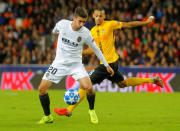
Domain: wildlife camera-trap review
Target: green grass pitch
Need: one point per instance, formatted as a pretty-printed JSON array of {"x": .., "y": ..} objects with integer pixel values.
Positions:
[{"x": 20, "y": 110}]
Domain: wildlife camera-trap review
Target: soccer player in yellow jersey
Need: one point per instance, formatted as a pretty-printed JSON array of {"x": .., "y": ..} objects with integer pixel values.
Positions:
[{"x": 102, "y": 33}]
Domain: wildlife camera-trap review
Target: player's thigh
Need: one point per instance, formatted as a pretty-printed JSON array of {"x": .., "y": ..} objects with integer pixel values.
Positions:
[
  {"x": 45, "y": 84},
  {"x": 85, "y": 83},
  {"x": 98, "y": 75},
  {"x": 117, "y": 77},
  {"x": 78, "y": 71}
]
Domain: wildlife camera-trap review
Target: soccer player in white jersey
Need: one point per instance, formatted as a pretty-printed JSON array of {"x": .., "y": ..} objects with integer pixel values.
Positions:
[{"x": 68, "y": 61}]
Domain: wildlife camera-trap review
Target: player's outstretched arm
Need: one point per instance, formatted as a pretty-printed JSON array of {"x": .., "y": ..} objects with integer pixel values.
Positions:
[
  {"x": 87, "y": 51},
  {"x": 55, "y": 33},
  {"x": 137, "y": 23},
  {"x": 101, "y": 57},
  {"x": 90, "y": 51}
]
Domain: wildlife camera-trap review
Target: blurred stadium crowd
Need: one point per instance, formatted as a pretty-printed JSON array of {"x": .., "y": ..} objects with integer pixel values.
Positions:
[{"x": 26, "y": 25}]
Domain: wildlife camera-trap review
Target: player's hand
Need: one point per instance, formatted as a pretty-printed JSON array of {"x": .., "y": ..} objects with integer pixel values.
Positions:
[
  {"x": 150, "y": 19},
  {"x": 53, "y": 57},
  {"x": 110, "y": 70}
]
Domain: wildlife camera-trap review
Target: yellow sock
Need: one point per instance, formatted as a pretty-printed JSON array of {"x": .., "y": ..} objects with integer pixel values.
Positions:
[
  {"x": 133, "y": 81},
  {"x": 82, "y": 94}
]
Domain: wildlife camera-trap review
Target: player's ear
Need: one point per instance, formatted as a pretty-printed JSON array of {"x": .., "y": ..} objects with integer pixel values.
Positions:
[
  {"x": 104, "y": 15},
  {"x": 74, "y": 18},
  {"x": 94, "y": 15}
]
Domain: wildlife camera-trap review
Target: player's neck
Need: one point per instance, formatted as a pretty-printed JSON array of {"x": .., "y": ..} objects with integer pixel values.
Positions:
[
  {"x": 99, "y": 24},
  {"x": 74, "y": 26}
]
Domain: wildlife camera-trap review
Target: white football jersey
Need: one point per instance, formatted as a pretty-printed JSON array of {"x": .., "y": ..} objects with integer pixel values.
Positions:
[{"x": 70, "y": 43}]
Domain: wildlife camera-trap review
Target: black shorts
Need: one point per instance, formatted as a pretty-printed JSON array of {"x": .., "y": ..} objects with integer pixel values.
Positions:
[{"x": 100, "y": 73}]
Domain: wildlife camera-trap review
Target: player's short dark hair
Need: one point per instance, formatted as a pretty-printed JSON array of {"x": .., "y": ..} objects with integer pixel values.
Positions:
[
  {"x": 81, "y": 12},
  {"x": 100, "y": 9}
]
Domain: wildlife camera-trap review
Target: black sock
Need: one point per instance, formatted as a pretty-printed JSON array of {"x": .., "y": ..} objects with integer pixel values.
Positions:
[
  {"x": 45, "y": 102},
  {"x": 91, "y": 100}
]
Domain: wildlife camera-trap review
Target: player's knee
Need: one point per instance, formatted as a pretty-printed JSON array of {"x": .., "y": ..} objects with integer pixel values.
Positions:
[
  {"x": 90, "y": 90},
  {"x": 122, "y": 84},
  {"x": 42, "y": 90}
]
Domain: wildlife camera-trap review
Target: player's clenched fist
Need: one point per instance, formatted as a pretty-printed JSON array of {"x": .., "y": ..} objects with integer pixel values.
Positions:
[{"x": 110, "y": 70}]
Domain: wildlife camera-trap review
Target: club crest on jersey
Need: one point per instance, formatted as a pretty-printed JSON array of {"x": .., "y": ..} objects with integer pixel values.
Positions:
[
  {"x": 103, "y": 31},
  {"x": 47, "y": 74},
  {"x": 79, "y": 39}
]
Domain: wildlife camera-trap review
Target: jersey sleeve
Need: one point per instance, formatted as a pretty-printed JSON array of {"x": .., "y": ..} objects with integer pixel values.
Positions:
[
  {"x": 57, "y": 27},
  {"x": 115, "y": 24},
  {"x": 90, "y": 42}
]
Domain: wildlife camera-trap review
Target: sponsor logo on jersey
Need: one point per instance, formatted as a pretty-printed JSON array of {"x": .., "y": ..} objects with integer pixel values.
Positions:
[{"x": 68, "y": 42}]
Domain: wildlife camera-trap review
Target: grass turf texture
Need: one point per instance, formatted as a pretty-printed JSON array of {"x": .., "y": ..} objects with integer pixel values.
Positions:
[{"x": 21, "y": 110}]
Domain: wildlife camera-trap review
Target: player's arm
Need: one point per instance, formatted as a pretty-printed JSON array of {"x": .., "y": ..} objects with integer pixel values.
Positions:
[
  {"x": 99, "y": 54},
  {"x": 88, "y": 51},
  {"x": 57, "y": 28},
  {"x": 54, "y": 36},
  {"x": 137, "y": 23},
  {"x": 55, "y": 31}
]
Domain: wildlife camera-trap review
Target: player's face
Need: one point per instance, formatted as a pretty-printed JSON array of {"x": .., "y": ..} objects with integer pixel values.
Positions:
[
  {"x": 99, "y": 17},
  {"x": 79, "y": 22}
]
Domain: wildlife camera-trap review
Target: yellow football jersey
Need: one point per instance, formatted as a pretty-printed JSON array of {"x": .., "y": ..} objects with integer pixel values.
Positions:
[{"x": 105, "y": 40}]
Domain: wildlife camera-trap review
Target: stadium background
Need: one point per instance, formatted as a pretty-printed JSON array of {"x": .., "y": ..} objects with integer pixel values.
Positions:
[
  {"x": 27, "y": 48},
  {"x": 26, "y": 25}
]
